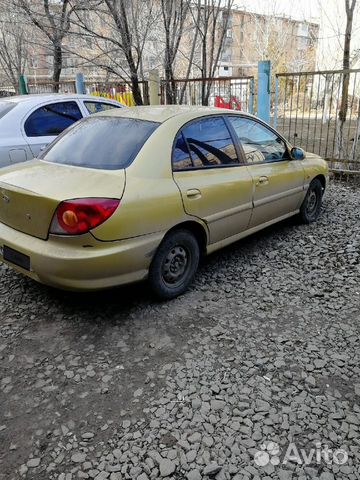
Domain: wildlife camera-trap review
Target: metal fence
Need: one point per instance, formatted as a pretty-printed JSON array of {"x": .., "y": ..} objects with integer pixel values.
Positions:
[
  {"x": 306, "y": 109},
  {"x": 66, "y": 86},
  {"x": 235, "y": 93},
  {"x": 120, "y": 91},
  {"x": 6, "y": 92}
]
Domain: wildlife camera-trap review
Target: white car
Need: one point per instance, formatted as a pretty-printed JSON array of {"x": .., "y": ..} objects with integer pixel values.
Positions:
[{"x": 30, "y": 122}]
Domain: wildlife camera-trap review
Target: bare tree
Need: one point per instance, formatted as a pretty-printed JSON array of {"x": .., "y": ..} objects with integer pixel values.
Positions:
[
  {"x": 120, "y": 29},
  {"x": 52, "y": 19},
  {"x": 349, "y": 8},
  {"x": 211, "y": 20},
  {"x": 14, "y": 37},
  {"x": 174, "y": 15}
]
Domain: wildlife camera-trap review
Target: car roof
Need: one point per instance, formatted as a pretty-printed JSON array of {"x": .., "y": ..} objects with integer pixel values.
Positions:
[
  {"x": 162, "y": 113},
  {"x": 50, "y": 97}
]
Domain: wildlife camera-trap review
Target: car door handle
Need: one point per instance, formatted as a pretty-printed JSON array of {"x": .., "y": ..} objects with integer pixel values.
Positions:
[
  {"x": 262, "y": 181},
  {"x": 193, "y": 193}
]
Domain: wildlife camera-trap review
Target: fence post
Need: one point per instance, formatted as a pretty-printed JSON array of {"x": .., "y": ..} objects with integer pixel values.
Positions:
[
  {"x": 264, "y": 84},
  {"x": 276, "y": 101},
  {"x": 154, "y": 82},
  {"x": 251, "y": 96},
  {"x": 80, "y": 83},
  {"x": 23, "y": 86}
]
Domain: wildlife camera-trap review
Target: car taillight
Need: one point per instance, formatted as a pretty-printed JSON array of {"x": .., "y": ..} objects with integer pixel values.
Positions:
[{"x": 75, "y": 217}]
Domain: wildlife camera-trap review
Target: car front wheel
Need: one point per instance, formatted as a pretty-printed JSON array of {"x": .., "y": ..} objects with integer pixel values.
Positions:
[
  {"x": 311, "y": 206},
  {"x": 174, "y": 265}
]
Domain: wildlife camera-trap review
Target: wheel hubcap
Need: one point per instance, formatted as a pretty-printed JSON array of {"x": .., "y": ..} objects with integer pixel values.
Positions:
[
  {"x": 312, "y": 202},
  {"x": 175, "y": 265}
]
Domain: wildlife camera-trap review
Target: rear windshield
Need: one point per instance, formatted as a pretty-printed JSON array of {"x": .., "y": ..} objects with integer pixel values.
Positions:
[
  {"x": 100, "y": 142},
  {"x": 5, "y": 107}
]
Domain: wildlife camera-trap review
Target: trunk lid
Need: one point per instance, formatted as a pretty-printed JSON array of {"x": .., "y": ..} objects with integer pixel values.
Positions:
[{"x": 30, "y": 193}]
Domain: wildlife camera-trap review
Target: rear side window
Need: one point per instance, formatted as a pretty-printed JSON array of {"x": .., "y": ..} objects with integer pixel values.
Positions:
[
  {"x": 101, "y": 142},
  {"x": 95, "y": 107},
  {"x": 52, "y": 119},
  {"x": 181, "y": 154},
  {"x": 204, "y": 143},
  {"x": 5, "y": 108}
]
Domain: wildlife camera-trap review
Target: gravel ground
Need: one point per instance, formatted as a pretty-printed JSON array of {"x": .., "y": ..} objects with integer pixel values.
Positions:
[{"x": 259, "y": 357}]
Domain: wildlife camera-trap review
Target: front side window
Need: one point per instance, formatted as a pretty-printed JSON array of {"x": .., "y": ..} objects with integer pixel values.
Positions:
[
  {"x": 107, "y": 143},
  {"x": 259, "y": 143},
  {"x": 52, "y": 119},
  {"x": 95, "y": 107},
  {"x": 204, "y": 143}
]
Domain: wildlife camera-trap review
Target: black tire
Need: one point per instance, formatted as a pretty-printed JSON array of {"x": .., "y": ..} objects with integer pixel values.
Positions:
[
  {"x": 311, "y": 206},
  {"x": 174, "y": 264}
]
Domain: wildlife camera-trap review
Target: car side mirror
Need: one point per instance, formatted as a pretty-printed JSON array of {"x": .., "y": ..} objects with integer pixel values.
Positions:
[{"x": 297, "y": 153}]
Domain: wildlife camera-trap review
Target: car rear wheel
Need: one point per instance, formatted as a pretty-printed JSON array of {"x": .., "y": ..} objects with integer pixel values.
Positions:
[
  {"x": 174, "y": 265},
  {"x": 311, "y": 206}
]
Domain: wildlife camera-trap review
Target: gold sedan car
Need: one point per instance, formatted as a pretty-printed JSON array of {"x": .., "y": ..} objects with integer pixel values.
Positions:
[{"x": 141, "y": 193}]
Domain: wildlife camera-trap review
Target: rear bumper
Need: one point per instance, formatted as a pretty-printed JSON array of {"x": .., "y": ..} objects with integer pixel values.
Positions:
[{"x": 82, "y": 263}]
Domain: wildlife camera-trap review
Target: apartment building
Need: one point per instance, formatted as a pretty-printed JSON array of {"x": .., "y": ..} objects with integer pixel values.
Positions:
[{"x": 290, "y": 44}]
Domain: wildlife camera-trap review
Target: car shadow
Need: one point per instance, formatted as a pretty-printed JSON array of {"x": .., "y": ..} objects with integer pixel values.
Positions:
[{"x": 124, "y": 299}]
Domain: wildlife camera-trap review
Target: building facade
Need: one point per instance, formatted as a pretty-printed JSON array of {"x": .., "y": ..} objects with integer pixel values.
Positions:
[{"x": 290, "y": 44}]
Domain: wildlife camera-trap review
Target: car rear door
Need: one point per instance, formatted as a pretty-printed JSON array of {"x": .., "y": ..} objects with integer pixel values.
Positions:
[
  {"x": 44, "y": 123},
  {"x": 13, "y": 147},
  {"x": 278, "y": 180},
  {"x": 214, "y": 185}
]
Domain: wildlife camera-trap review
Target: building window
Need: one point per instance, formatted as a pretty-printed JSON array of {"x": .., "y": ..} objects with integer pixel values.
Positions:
[{"x": 303, "y": 30}]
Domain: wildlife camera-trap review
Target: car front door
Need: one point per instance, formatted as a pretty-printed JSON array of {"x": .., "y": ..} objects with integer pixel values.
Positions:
[
  {"x": 278, "y": 180},
  {"x": 214, "y": 185},
  {"x": 45, "y": 123}
]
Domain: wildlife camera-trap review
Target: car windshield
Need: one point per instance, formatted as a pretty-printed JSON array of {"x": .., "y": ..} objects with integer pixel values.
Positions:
[
  {"x": 106, "y": 143},
  {"x": 5, "y": 107}
]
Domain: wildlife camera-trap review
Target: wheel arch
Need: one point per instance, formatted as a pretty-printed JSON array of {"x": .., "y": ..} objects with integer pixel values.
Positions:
[
  {"x": 197, "y": 229},
  {"x": 322, "y": 180}
]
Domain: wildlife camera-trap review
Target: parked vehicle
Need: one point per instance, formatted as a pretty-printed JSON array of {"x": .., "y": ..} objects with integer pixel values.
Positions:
[
  {"x": 30, "y": 122},
  {"x": 141, "y": 193}
]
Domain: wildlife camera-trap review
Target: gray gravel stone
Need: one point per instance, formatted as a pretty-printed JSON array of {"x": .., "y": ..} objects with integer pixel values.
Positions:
[
  {"x": 211, "y": 469},
  {"x": 78, "y": 457},
  {"x": 33, "y": 463},
  {"x": 102, "y": 476},
  {"x": 195, "y": 438},
  {"x": 327, "y": 476},
  {"x": 143, "y": 476},
  {"x": 209, "y": 377},
  {"x": 167, "y": 467},
  {"x": 194, "y": 475},
  {"x": 217, "y": 405}
]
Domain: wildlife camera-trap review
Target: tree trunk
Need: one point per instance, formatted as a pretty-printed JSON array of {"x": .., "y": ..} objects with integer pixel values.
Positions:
[
  {"x": 204, "y": 74},
  {"x": 356, "y": 137},
  {"x": 169, "y": 78},
  {"x": 136, "y": 90},
  {"x": 192, "y": 53},
  {"x": 346, "y": 80},
  {"x": 174, "y": 14},
  {"x": 58, "y": 63}
]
